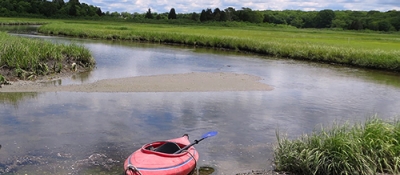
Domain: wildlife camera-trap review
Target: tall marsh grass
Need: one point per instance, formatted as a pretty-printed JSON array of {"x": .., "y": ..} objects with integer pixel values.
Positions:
[
  {"x": 364, "y": 149},
  {"x": 357, "y": 49},
  {"x": 31, "y": 57},
  {"x": 23, "y": 21}
]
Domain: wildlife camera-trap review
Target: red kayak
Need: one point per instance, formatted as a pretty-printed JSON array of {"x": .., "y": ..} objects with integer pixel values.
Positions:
[{"x": 176, "y": 156}]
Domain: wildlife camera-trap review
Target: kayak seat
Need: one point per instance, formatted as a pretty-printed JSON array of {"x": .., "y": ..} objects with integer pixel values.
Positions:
[{"x": 168, "y": 148}]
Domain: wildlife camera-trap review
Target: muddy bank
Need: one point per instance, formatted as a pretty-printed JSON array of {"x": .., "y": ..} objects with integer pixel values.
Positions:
[{"x": 189, "y": 82}]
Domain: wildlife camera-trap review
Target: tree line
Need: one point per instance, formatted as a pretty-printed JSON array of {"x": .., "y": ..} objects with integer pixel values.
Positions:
[
  {"x": 44, "y": 8},
  {"x": 339, "y": 19}
]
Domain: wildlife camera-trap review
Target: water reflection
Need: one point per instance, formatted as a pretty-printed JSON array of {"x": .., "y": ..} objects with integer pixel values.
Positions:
[
  {"x": 15, "y": 98},
  {"x": 67, "y": 128},
  {"x": 27, "y": 29}
]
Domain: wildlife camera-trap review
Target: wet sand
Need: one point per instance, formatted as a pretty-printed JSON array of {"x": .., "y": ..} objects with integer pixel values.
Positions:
[{"x": 189, "y": 82}]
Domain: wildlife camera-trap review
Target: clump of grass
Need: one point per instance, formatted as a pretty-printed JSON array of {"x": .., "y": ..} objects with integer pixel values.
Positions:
[
  {"x": 3, "y": 80},
  {"x": 371, "y": 148},
  {"x": 33, "y": 57}
]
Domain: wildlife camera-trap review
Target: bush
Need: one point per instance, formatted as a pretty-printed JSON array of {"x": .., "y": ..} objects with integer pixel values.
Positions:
[{"x": 361, "y": 149}]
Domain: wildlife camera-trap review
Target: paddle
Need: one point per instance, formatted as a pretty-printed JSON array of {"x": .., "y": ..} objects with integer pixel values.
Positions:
[{"x": 206, "y": 135}]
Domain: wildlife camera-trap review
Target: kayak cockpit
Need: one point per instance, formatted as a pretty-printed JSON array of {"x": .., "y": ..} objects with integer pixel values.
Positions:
[
  {"x": 168, "y": 148},
  {"x": 163, "y": 148}
]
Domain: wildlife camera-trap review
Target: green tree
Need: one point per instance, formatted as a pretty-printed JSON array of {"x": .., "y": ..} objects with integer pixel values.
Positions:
[
  {"x": 217, "y": 14},
  {"x": 203, "y": 16},
  {"x": 223, "y": 16},
  {"x": 48, "y": 8},
  {"x": 297, "y": 22},
  {"x": 309, "y": 19},
  {"x": 394, "y": 19},
  {"x": 231, "y": 14},
  {"x": 72, "y": 10},
  {"x": 23, "y": 7},
  {"x": 324, "y": 18},
  {"x": 126, "y": 15},
  {"x": 115, "y": 14},
  {"x": 374, "y": 25},
  {"x": 172, "y": 14},
  {"x": 384, "y": 25},
  {"x": 59, "y": 3},
  {"x": 356, "y": 25},
  {"x": 99, "y": 12},
  {"x": 73, "y": 7},
  {"x": 246, "y": 14},
  {"x": 149, "y": 15},
  {"x": 7, "y": 5},
  {"x": 4, "y": 11},
  {"x": 209, "y": 15},
  {"x": 358, "y": 20},
  {"x": 338, "y": 23},
  {"x": 341, "y": 20},
  {"x": 195, "y": 16},
  {"x": 137, "y": 15}
]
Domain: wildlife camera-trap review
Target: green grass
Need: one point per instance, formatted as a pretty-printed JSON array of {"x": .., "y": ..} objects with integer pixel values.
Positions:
[
  {"x": 32, "y": 57},
  {"x": 369, "y": 148},
  {"x": 361, "y": 49},
  {"x": 371, "y": 50},
  {"x": 2, "y": 80},
  {"x": 23, "y": 21}
]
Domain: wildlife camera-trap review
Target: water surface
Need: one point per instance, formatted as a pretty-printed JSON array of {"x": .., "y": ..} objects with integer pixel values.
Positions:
[{"x": 57, "y": 132}]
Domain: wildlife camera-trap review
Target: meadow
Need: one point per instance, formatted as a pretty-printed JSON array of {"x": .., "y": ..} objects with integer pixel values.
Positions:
[{"x": 361, "y": 49}]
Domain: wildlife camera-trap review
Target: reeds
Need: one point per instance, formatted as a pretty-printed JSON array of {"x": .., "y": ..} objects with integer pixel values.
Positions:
[
  {"x": 22, "y": 21},
  {"x": 32, "y": 57},
  {"x": 356, "y": 49},
  {"x": 361, "y": 149}
]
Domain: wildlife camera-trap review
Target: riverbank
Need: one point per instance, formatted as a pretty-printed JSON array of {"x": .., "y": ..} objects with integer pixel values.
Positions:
[
  {"x": 351, "y": 48},
  {"x": 367, "y": 50},
  {"x": 29, "y": 59}
]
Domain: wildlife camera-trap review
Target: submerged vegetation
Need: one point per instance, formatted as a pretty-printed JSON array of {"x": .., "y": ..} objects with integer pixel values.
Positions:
[
  {"x": 362, "y": 149},
  {"x": 371, "y": 50},
  {"x": 28, "y": 58}
]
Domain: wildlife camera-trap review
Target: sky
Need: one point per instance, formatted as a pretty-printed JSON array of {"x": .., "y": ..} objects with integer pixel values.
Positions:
[{"x": 189, "y": 6}]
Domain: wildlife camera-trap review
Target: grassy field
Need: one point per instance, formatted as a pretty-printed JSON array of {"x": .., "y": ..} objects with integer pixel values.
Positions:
[
  {"x": 371, "y": 50},
  {"x": 367, "y": 149}
]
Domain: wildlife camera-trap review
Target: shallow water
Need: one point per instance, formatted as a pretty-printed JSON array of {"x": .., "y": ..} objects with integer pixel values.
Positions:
[{"x": 62, "y": 132}]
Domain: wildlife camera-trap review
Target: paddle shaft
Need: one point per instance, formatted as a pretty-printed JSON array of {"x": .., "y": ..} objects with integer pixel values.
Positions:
[{"x": 186, "y": 147}]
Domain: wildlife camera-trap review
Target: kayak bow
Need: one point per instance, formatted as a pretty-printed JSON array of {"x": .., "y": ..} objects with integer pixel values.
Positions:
[{"x": 159, "y": 158}]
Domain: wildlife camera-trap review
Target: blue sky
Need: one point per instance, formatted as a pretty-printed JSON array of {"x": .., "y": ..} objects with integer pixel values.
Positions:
[{"x": 189, "y": 6}]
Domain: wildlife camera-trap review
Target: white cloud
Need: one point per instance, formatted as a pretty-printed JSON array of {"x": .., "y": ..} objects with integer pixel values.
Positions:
[{"x": 188, "y": 6}]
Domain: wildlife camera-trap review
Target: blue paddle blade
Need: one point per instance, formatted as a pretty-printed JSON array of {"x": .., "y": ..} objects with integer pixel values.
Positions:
[{"x": 209, "y": 134}]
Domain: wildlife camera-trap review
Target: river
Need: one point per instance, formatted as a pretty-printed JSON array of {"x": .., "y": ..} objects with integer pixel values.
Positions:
[{"x": 83, "y": 133}]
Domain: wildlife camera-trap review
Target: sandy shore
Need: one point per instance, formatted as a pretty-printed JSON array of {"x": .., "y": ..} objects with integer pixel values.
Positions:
[{"x": 189, "y": 82}]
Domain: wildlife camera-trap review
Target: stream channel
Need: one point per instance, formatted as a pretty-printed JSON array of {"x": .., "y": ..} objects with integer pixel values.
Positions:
[{"x": 93, "y": 133}]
